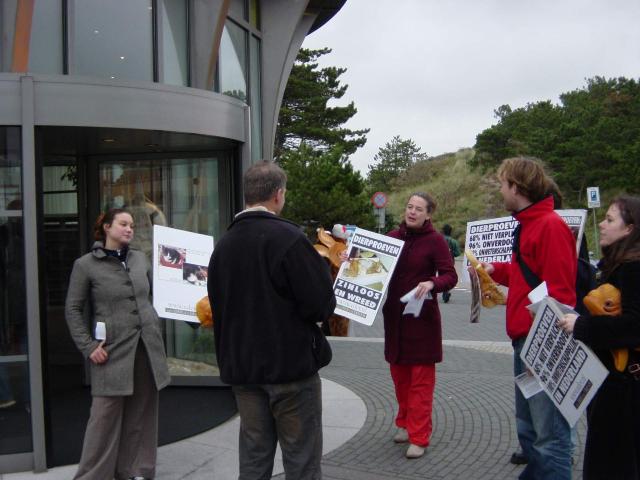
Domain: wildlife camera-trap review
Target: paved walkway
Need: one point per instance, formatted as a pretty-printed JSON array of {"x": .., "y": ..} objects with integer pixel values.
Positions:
[{"x": 474, "y": 425}]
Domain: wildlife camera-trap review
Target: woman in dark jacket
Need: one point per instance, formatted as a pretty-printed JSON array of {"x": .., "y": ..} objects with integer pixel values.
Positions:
[
  {"x": 413, "y": 345},
  {"x": 125, "y": 349},
  {"x": 613, "y": 418}
]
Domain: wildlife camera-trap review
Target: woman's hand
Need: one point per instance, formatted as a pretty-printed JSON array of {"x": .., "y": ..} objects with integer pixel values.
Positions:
[
  {"x": 344, "y": 256},
  {"x": 99, "y": 355},
  {"x": 424, "y": 288},
  {"x": 567, "y": 322}
]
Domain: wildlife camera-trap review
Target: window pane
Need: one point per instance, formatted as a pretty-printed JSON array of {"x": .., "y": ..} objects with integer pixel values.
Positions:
[
  {"x": 237, "y": 9},
  {"x": 254, "y": 13},
  {"x": 45, "y": 50},
  {"x": 183, "y": 194},
  {"x": 7, "y": 29},
  {"x": 15, "y": 419},
  {"x": 233, "y": 62},
  {"x": 174, "y": 42},
  {"x": 113, "y": 39},
  {"x": 256, "y": 101}
]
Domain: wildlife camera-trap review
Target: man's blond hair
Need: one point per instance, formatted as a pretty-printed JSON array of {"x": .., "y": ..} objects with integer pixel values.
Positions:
[{"x": 528, "y": 175}]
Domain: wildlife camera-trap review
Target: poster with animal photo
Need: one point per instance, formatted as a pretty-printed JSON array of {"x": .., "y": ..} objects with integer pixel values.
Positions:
[
  {"x": 362, "y": 280},
  {"x": 180, "y": 271}
]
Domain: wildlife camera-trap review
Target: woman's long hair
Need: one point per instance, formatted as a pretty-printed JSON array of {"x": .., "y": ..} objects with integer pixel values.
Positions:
[
  {"x": 103, "y": 219},
  {"x": 626, "y": 249}
]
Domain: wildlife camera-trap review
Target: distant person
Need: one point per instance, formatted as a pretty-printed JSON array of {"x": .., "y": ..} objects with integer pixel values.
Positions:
[
  {"x": 413, "y": 345},
  {"x": 612, "y": 448},
  {"x": 268, "y": 289},
  {"x": 129, "y": 366},
  {"x": 543, "y": 245},
  {"x": 454, "y": 248}
]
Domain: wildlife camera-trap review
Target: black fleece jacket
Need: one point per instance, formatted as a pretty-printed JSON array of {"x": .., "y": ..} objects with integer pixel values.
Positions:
[{"x": 268, "y": 287}]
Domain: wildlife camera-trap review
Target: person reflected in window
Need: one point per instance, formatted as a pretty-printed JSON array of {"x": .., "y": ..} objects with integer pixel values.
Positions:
[{"x": 128, "y": 365}]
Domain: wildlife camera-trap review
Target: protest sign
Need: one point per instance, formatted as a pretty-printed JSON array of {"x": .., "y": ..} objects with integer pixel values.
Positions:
[
  {"x": 491, "y": 240},
  {"x": 180, "y": 271},
  {"x": 363, "y": 280},
  {"x": 566, "y": 369}
]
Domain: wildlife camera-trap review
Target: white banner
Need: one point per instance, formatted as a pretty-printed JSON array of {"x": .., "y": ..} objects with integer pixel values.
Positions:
[
  {"x": 363, "y": 280},
  {"x": 180, "y": 264},
  {"x": 566, "y": 369}
]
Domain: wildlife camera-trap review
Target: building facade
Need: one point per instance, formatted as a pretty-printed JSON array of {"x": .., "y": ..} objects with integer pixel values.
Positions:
[{"x": 156, "y": 105}]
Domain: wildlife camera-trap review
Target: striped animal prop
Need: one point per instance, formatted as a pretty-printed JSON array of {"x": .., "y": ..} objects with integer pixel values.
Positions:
[
  {"x": 606, "y": 300},
  {"x": 331, "y": 247}
]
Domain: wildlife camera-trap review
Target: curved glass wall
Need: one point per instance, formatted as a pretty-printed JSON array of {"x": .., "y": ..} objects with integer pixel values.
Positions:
[
  {"x": 182, "y": 193},
  {"x": 45, "y": 49},
  {"x": 233, "y": 62},
  {"x": 255, "y": 100},
  {"x": 8, "y": 10},
  {"x": 15, "y": 418},
  {"x": 174, "y": 42},
  {"x": 112, "y": 39}
]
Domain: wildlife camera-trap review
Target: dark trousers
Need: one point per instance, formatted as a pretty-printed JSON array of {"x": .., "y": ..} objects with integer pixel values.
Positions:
[
  {"x": 289, "y": 413},
  {"x": 121, "y": 439}
]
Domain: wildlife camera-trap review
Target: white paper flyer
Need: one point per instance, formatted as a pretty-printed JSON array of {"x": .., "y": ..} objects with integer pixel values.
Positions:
[
  {"x": 180, "y": 264},
  {"x": 363, "y": 280}
]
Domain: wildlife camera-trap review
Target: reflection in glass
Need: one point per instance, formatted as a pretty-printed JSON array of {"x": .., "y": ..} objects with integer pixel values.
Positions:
[
  {"x": 183, "y": 194},
  {"x": 256, "y": 101},
  {"x": 233, "y": 61},
  {"x": 254, "y": 13},
  {"x": 15, "y": 420},
  {"x": 174, "y": 42},
  {"x": 7, "y": 29},
  {"x": 237, "y": 9},
  {"x": 45, "y": 49},
  {"x": 113, "y": 39}
]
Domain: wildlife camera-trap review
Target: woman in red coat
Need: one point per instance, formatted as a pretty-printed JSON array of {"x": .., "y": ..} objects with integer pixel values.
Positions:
[{"x": 413, "y": 345}]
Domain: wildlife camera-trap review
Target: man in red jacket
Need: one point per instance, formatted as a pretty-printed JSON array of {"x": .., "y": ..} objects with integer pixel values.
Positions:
[{"x": 547, "y": 247}]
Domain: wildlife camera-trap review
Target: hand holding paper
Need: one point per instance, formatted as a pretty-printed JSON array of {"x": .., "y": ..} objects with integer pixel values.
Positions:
[{"x": 414, "y": 305}]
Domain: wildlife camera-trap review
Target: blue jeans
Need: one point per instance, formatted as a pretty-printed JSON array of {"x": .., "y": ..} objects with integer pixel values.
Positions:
[
  {"x": 289, "y": 413},
  {"x": 544, "y": 434}
]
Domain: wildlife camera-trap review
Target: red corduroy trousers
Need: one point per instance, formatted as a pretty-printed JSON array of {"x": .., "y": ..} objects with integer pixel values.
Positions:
[{"x": 414, "y": 385}]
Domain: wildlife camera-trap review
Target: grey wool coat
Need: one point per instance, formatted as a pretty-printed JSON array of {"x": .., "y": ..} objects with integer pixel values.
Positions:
[{"x": 121, "y": 298}]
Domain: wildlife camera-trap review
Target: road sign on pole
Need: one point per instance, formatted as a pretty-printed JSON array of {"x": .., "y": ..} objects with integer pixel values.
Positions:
[
  {"x": 593, "y": 197},
  {"x": 379, "y": 199},
  {"x": 593, "y": 201}
]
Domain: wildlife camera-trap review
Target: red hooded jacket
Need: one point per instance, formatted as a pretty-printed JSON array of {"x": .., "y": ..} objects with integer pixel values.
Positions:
[
  {"x": 548, "y": 248},
  {"x": 410, "y": 340}
]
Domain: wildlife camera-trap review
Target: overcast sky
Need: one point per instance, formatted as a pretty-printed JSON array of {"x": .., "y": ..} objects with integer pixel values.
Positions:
[{"x": 435, "y": 70}]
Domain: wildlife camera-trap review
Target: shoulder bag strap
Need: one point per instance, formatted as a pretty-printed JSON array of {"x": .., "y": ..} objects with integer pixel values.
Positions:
[{"x": 531, "y": 278}]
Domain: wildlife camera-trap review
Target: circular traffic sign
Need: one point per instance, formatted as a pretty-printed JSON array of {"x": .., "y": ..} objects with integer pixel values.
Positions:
[{"x": 379, "y": 199}]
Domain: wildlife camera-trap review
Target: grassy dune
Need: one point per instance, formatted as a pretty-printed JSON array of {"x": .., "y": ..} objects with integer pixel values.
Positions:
[{"x": 462, "y": 194}]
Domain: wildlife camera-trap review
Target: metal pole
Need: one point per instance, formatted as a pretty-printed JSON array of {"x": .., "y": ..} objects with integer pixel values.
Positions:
[{"x": 596, "y": 247}]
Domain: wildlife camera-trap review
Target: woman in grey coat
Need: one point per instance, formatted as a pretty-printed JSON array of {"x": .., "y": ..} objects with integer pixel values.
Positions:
[{"x": 111, "y": 286}]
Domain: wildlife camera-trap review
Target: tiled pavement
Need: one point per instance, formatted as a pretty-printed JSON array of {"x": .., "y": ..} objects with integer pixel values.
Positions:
[{"x": 474, "y": 425}]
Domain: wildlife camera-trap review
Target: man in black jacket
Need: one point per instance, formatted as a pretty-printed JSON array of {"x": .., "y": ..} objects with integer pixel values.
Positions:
[{"x": 268, "y": 289}]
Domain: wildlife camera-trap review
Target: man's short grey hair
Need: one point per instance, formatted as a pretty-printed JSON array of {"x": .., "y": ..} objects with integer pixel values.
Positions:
[{"x": 261, "y": 182}]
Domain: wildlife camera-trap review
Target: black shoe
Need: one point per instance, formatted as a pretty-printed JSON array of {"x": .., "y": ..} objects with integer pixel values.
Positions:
[
  {"x": 518, "y": 458},
  {"x": 446, "y": 296}
]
